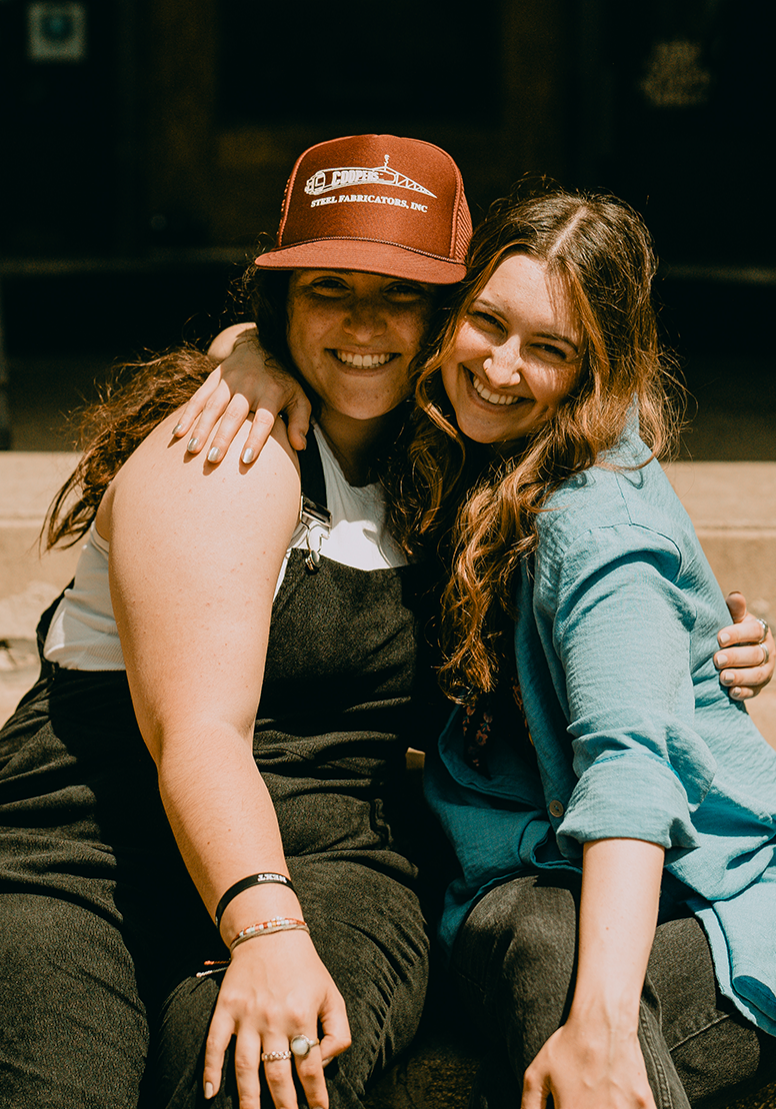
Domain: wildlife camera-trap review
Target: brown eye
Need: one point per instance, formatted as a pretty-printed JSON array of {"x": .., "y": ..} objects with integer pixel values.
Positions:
[
  {"x": 329, "y": 287},
  {"x": 484, "y": 319},
  {"x": 406, "y": 291}
]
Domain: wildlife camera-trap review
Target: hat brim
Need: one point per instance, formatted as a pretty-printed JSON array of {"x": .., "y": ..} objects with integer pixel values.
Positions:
[{"x": 364, "y": 256}]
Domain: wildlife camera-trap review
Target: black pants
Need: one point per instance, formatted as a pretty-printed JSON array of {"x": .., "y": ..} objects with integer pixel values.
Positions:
[
  {"x": 102, "y": 931},
  {"x": 514, "y": 962},
  {"x": 369, "y": 934}
]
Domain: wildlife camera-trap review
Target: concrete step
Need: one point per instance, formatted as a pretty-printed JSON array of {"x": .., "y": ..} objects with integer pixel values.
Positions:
[{"x": 732, "y": 504}]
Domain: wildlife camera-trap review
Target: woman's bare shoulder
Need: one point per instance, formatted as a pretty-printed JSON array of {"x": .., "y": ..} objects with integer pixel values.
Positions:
[{"x": 162, "y": 474}]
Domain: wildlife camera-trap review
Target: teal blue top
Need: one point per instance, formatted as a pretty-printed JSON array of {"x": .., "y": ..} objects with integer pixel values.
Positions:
[{"x": 634, "y": 737}]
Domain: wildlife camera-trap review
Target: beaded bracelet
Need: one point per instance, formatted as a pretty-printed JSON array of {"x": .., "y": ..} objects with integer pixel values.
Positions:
[
  {"x": 267, "y": 927},
  {"x": 247, "y": 883}
]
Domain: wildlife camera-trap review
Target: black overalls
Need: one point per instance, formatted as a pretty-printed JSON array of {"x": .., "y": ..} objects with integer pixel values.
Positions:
[{"x": 101, "y": 929}]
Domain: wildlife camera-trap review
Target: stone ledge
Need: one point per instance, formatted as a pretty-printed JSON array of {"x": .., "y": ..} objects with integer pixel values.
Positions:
[{"x": 732, "y": 504}]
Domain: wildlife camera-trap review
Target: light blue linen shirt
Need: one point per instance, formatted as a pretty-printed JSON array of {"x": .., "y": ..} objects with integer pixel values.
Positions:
[{"x": 634, "y": 737}]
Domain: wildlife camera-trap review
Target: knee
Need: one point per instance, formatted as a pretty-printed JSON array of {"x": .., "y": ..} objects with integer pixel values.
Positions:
[{"x": 516, "y": 957}]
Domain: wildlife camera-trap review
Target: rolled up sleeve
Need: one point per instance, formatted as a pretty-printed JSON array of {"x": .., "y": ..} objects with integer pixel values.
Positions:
[{"x": 620, "y": 630}]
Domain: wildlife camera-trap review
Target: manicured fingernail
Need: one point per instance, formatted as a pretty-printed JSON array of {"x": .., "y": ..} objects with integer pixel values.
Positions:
[
  {"x": 304, "y": 441},
  {"x": 736, "y": 693},
  {"x": 192, "y": 443},
  {"x": 721, "y": 660},
  {"x": 727, "y": 678},
  {"x": 213, "y": 454},
  {"x": 723, "y": 638},
  {"x": 177, "y": 429},
  {"x": 247, "y": 455},
  {"x": 208, "y": 1091},
  {"x": 325, "y": 1062}
]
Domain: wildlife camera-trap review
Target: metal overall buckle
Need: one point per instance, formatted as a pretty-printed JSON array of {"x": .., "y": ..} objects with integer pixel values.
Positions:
[{"x": 317, "y": 520}]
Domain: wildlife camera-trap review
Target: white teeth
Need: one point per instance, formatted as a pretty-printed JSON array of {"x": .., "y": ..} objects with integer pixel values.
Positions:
[
  {"x": 491, "y": 398},
  {"x": 363, "y": 361}
]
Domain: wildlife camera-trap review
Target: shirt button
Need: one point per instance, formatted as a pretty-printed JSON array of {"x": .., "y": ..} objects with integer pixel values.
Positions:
[{"x": 556, "y": 809}]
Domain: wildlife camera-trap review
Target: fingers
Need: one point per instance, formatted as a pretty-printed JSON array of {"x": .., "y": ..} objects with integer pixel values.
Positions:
[
  {"x": 746, "y": 662},
  {"x": 261, "y": 428},
  {"x": 280, "y": 393},
  {"x": 745, "y": 628},
  {"x": 335, "y": 1038},
  {"x": 299, "y": 411},
  {"x": 270, "y": 993},
  {"x": 310, "y": 1071},
  {"x": 745, "y": 682},
  {"x": 744, "y": 670},
  {"x": 535, "y": 1090},
  {"x": 736, "y": 603},
  {"x": 247, "y": 1060},
  {"x": 220, "y": 406},
  {"x": 195, "y": 404},
  {"x": 229, "y": 423},
  {"x": 278, "y": 1073},
  {"x": 335, "y": 1029},
  {"x": 218, "y": 1037},
  {"x": 274, "y": 1054}
]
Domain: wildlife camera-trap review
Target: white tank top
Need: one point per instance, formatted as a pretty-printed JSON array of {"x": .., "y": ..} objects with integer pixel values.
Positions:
[{"x": 83, "y": 633}]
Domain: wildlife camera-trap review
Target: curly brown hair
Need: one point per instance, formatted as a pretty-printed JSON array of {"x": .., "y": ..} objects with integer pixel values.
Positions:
[
  {"x": 142, "y": 394},
  {"x": 481, "y": 511}
]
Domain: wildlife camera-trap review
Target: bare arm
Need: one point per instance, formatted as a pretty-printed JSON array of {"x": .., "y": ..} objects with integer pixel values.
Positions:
[
  {"x": 594, "y": 1061},
  {"x": 245, "y": 381},
  {"x": 195, "y": 553}
]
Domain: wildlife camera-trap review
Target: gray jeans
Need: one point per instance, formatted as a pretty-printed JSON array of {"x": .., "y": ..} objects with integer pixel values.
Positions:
[{"x": 514, "y": 962}]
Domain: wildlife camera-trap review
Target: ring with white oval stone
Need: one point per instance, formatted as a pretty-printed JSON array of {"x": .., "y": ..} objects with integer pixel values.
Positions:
[
  {"x": 274, "y": 1056},
  {"x": 302, "y": 1046}
]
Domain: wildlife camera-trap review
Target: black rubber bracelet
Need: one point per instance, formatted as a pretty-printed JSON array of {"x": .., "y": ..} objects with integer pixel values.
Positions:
[{"x": 245, "y": 884}]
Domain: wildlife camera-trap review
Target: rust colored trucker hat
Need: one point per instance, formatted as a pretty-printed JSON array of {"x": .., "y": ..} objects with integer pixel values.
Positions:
[{"x": 374, "y": 204}]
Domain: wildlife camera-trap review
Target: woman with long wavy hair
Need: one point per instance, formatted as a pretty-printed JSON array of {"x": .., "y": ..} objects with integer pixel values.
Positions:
[
  {"x": 612, "y": 809},
  {"x": 613, "y": 922},
  {"x": 204, "y": 889}
]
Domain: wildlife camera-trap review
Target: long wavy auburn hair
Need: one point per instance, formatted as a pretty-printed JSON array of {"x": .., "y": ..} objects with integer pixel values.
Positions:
[{"x": 480, "y": 510}]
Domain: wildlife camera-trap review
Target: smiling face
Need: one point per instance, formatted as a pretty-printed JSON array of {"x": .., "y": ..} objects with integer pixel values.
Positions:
[
  {"x": 353, "y": 337},
  {"x": 517, "y": 353}
]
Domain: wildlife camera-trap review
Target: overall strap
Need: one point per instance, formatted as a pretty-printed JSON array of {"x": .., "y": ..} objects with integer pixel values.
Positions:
[
  {"x": 313, "y": 482},
  {"x": 314, "y": 513}
]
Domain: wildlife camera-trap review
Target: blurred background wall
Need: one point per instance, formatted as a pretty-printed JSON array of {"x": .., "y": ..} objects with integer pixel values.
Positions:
[{"x": 146, "y": 143}]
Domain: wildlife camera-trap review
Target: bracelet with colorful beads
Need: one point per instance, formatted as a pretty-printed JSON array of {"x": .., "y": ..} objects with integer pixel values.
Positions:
[{"x": 267, "y": 927}]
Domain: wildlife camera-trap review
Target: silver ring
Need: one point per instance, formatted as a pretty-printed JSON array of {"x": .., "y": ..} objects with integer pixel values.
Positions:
[
  {"x": 766, "y": 654},
  {"x": 302, "y": 1046},
  {"x": 274, "y": 1056},
  {"x": 765, "y": 625}
]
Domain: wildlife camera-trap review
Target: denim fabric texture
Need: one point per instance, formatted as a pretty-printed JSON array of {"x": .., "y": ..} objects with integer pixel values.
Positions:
[
  {"x": 513, "y": 963},
  {"x": 102, "y": 931}
]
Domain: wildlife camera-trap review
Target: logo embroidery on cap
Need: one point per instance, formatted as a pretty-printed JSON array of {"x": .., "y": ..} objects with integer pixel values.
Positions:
[{"x": 326, "y": 180}]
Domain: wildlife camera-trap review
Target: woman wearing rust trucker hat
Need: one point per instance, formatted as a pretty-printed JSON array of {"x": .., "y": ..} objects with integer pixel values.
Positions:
[
  {"x": 374, "y": 203},
  {"x": 214, "y": 752},
  {"x": 203, "y": 893}
]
